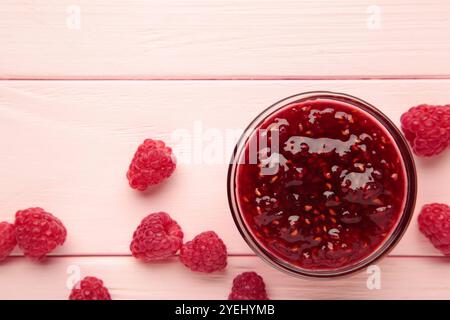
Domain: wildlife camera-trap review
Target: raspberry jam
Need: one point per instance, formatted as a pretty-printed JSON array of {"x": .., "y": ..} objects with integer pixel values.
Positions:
[{"x": 320, "y": 184}]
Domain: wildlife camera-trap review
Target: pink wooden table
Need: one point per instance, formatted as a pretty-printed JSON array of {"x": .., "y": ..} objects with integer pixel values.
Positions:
[{"x": 83, "y": 83}]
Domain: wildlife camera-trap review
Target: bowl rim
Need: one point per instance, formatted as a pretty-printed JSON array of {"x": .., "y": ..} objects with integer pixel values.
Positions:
[{"x": 395, "y": 234}]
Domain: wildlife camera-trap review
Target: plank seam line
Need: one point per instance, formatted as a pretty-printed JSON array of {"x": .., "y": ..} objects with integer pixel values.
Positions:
[
  {"x": 231, "y": 78},
  {"x": 233, "y": 255}
]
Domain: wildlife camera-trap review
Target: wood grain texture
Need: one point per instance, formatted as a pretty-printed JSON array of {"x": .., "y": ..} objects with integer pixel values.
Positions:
[
  {"x": 127, "y": 278},
  {"x": 223, "y": 39},
  {"x": 67, "y": 145}
]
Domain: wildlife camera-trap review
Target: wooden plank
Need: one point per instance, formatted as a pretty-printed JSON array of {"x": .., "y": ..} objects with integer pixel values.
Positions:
[
  {"x": 401, "y": 278},
  {"x": 223, "y": 38},
  {"x": 66, "y": 146}
]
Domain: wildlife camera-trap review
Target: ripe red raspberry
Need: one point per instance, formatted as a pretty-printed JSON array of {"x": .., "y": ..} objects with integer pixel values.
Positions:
[
  {"x": 248, "y": 286},
  {"x": 90, "y": 288},
  {"x": 157, "y": 237},
  {"x": 152, "y": 163},
  {"x": 7, "y": 239},
  {"x": 434, "y": 223},
  {"x": 205, "y": 253},
  {"x": 427, "y": 128},
  {"x": 38, "y": 232}
]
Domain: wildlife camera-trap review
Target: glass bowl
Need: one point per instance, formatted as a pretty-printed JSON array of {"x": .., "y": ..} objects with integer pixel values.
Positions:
[{"x": 249, "y": 230}]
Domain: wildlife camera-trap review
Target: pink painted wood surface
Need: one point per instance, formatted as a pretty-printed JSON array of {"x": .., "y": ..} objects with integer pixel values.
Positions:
[
  {"x": 224, "y": 38},
  {"x": 66, "y": 145},
  {"x": 73, "y": 140},
  {"x": 401, "y": 278}
]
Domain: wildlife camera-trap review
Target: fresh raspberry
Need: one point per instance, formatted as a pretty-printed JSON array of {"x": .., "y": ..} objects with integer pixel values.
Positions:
[
  {"x": 427, "y": 128},
  {"x": 205, "y": 253},
  {"x": 7, "y": 239},
  {"x": 248, "y": 286},
  {"x": 38, "y": 232},
  {"x": 157, "y": 237},
  {"x": 152, "y": 163},
  {"x": 90, "y": 288},
  {"x": 434, "y": 223}
]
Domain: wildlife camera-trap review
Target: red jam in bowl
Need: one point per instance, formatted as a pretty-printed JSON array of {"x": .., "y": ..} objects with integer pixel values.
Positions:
[{"x": 320, "y": 184}]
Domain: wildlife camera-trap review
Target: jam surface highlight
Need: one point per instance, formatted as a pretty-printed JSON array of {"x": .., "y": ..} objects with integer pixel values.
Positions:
[{"x": 327, "y": 188}]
